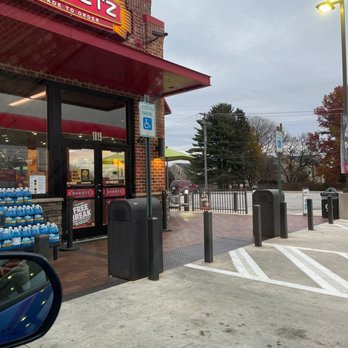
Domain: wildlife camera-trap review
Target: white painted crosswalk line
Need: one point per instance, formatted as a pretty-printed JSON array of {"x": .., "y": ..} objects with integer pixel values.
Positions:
[
  {"x": 237, "y": 261},
  {"x": 245, "y": 264},
  {"x": 344, "y": 227},
  {"x": 331, "y": 226},
  {"x": 270, "y": 281},
  {"x": 329, "y": 282},
  {"x": 312, "y": 269}
]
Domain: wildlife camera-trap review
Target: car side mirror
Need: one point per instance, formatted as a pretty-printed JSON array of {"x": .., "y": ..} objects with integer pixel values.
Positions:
[{"x": 30, "y": 297}]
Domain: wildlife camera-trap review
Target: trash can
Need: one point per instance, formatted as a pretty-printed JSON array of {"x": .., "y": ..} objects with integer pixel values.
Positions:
[
  {"x": 270, "y": 211},
  {"x": 128, "y": 237},
  {"x": 324, "y": 204}
]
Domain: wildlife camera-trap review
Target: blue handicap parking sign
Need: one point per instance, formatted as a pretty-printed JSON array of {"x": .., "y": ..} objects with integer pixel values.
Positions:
[{"x": 147, "y": 123}]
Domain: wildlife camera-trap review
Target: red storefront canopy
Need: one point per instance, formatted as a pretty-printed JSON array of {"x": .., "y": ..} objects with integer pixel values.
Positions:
[{"x": 40, "y": 43}]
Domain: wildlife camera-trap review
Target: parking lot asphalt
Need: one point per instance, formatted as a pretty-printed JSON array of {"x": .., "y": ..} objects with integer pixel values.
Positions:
[{"x": 288, "y": 293}]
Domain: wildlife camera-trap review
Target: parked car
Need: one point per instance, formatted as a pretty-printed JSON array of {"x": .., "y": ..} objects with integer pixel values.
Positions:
[
  {"x": 179, "y": 186},
  {"x": 30, "y": 297}
]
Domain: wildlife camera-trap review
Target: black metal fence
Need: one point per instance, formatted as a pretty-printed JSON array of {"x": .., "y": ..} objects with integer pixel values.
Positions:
[{"x": 222, "y": 201}]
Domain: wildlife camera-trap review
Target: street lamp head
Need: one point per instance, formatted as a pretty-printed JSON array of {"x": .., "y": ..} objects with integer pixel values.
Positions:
[{"x": 325, "y": 7}]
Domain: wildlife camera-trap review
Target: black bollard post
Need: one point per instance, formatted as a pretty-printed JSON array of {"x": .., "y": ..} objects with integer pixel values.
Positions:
[
  {"x": 283, "y": 220},
  {"x": 310, "y": 214},
  {"x": 186, "y": 201},
  {"x": 164, "y": 212},
  {"x": 69, "y": 242},
  {"x": 330, "y": 209},
  {"x": 208, "y": 236},
  {"x": 257, "y": 231},
  {"x": 153, "y": 248},
  {"x": 235, "y": 201}
]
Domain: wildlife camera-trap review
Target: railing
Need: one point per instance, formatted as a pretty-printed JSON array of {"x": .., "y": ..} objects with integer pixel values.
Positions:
[{"x": 226, "y": 201}]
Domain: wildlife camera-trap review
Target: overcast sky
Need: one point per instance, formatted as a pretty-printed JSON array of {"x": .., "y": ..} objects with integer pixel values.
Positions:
[{"x": 275, "y": 59}]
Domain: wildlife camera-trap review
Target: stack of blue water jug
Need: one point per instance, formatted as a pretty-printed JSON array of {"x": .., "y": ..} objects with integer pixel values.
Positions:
[{"x": 21, "y": 221}]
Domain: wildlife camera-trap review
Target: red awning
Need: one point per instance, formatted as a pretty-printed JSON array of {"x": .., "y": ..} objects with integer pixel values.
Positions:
[{"x": 41, "y": 43}]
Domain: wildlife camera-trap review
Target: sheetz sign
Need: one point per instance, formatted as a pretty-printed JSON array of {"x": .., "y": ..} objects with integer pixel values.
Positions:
[{"x": 107, "y": 14}]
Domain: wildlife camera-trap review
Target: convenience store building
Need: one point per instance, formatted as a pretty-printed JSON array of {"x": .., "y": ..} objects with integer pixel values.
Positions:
[{"x": 72, "y": 74}]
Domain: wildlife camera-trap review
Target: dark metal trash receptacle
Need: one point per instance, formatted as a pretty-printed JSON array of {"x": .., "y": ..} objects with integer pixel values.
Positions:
[
  {"x": 128, "y": 238},
  {"x": 270, "y": 211},
  {"x": 324, "y": 203}
]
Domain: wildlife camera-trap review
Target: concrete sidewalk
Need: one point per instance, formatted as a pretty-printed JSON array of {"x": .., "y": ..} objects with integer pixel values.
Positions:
[{"x": 289, "y": 293}]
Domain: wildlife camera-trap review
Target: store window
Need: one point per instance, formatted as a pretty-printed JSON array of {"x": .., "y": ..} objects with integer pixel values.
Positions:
[
  {"x": 92, "y": 117},
  {"x": 23, "y": 133}
]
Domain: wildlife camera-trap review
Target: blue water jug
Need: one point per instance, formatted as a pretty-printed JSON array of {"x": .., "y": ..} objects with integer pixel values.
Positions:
[
  {"x": 54, "y": 238},
  {"x": 38, "y": 219},
  {"x": 28, "y": 220},
  {"x": 25, "y": 232},
  {"x": 27, "y": 196},
  {"x": 16, "y": 238},
  {"x": 43, "y": 229},
  {"x": 35, "y": 231},
  {"x": 7, "y": 243}
]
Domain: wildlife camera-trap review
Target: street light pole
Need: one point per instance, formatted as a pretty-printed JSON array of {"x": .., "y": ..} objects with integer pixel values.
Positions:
[
  {"x": 325, "y": 7},
  {"x": 344, "y": 56},
  {"x": 344, "y": 79}
]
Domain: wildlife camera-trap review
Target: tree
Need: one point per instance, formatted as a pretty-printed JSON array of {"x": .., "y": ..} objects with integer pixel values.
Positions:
[
  {"x": 265, "y": 134},
  {"x": 231, "y": 147},
  {"x": 326, "y": 142},
  {"x": 265, "y": 166},
  {"x": 297, "y": 160}
]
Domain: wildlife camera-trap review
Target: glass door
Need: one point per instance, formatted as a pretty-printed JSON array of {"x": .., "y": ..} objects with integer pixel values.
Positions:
[
  {"x": 114, "y": 182},
  {"x": 95, "y": 177}
]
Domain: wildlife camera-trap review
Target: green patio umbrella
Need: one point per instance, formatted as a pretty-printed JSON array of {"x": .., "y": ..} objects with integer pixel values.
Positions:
[{"x": 173, "y": 155}]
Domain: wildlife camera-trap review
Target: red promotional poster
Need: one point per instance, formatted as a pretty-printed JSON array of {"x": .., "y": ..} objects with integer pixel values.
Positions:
[
  {"x": 107, "y": 14},
  {"x": 114, "y": 192},
  {"x": 82, "y": 214},
  {"x": 7, "y": 174},
  {"x": 81, "y": 193}
]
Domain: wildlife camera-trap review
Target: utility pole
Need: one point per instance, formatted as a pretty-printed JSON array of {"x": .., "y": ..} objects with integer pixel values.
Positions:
[
  {"x": 279, "y": 149},
  {"x": 205, "y": 153},
  {"x": 204, "y": 119}
]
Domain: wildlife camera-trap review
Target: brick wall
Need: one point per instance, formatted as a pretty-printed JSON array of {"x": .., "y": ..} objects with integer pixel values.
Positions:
[
  {"x": 143, "y": 25},
  {"x": 52, "y": 210}
]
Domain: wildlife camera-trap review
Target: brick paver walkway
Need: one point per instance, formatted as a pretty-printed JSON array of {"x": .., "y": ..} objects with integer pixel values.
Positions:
[{"x": 85, "y": 270}]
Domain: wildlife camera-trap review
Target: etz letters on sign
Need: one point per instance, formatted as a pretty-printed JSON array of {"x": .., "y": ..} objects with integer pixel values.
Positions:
[{"x": 106, "y": 14}]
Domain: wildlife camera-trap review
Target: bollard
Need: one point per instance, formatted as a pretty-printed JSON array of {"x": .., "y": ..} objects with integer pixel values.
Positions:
[
  {"x": 235, "y": 201},
  {"x": 186, "y": 201},
  {"x": 283, "y": 220},
  {"x": 153, "y": 248},
  {"x": 310, "y": 214},
  {"x": 330, "y": 209},
  {"x": 257, "y": 225},
  {"x": 69, "y": 242},
  {"x": 164, "y": 212},
  {"x": 208, "y": 236}
]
